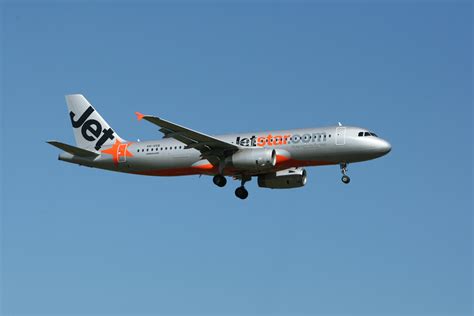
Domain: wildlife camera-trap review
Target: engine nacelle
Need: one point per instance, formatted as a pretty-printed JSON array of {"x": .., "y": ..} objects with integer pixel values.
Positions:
[
  {"x": 284, "y": 179},
  {"x": 253, "y": 159}
]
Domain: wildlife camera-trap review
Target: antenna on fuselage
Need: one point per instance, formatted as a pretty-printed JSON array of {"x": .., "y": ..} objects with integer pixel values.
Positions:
[{"x": 339, "y": 123}]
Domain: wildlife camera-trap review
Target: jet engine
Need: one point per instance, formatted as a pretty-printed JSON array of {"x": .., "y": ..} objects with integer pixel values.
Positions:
[
  {"x": 253, "y": 159},
  {"x": 284, "y": 179}
]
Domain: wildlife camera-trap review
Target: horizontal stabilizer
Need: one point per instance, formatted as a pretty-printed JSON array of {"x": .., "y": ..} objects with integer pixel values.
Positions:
[{"x": 76, "y": 151}]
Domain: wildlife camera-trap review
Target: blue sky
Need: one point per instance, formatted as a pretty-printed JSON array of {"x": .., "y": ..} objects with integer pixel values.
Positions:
[{"x": 396, "y": 241}]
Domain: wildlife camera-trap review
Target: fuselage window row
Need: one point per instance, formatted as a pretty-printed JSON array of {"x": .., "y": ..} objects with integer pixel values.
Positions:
[
  {"x": 318, "y": 138},
  {"x": 160, "y": 148}
]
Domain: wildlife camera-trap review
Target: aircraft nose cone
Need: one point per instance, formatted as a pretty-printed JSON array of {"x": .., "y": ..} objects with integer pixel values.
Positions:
[{"x": 384, "y": 147}]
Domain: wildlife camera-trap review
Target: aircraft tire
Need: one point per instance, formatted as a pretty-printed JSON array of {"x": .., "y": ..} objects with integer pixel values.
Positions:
[
  {"x": 345, "y": 179},
  {"x": 219, "y": 180},
  {"x": 241, "y": 193}
]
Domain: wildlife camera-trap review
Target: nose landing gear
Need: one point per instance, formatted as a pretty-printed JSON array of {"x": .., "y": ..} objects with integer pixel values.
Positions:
[
  {"x": 241, "y": 192},
  {"x": 345, "y": 178}
]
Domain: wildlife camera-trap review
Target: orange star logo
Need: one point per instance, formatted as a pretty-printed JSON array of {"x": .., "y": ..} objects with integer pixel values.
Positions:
[{"x": 118, "y": 151}]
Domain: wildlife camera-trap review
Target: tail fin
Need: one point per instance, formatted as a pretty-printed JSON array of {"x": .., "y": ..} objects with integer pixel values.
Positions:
[{"x": 90, "y": 130}]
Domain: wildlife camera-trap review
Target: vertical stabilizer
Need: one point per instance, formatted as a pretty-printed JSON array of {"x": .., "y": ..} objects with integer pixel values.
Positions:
[{"x": 91, "y": 131}]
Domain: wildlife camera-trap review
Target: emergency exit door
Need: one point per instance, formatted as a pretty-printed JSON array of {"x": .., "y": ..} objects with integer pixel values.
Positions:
[{"x": 340, "y": 136}]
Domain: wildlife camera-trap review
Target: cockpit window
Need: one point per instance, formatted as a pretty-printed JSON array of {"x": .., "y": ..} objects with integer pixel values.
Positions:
[{"x": 367, "y": 134}]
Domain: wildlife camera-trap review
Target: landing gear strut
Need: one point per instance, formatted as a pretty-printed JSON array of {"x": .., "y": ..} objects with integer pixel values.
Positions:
[
  {"x": 241, "y": 192},
  {"x": 345, "y": 178},
  {"x": 219, "y": 180}
]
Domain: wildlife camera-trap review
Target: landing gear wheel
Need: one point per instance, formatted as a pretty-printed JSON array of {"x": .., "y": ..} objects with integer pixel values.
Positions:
[
  {"x": 345, "y": 179},
  {"x": 219, "y": 180},
  {"x": 241, "y": 193}
]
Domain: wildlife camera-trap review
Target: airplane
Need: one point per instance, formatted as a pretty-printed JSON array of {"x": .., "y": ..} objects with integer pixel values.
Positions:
[{"x": 276, "y": 158}]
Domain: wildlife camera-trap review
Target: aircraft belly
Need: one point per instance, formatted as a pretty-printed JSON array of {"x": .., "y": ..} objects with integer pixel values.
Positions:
[
  {"x": 164, "y": 164},
  {"x": 161, "y": 162}
]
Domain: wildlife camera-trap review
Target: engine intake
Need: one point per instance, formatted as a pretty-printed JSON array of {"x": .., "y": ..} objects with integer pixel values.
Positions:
[
  {"x": 254, "y": 159},
  {"x": 284, "y": 179}
]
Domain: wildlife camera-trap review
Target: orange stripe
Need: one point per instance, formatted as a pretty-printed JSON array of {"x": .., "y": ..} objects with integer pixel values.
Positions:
[
  {"x": 280, "y": 159},
  {"x": 207, "y": 166},
  {"x": 209, "y": 169}
]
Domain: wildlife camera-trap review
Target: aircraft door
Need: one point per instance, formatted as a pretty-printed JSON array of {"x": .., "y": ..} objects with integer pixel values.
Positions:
[
  {"x": 340, "y": 136},
  {"x": 121, "y": 153}
]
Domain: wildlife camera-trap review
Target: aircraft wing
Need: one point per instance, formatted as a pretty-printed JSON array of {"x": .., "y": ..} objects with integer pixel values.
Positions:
[{"x": 208, "y": 146}]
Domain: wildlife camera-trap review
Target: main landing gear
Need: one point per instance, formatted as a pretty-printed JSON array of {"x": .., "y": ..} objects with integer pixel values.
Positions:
[
  {"x": 345, "y": 178},
  {"x": 241, "y": 192},
  {"x": 219, "y": 180}
]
